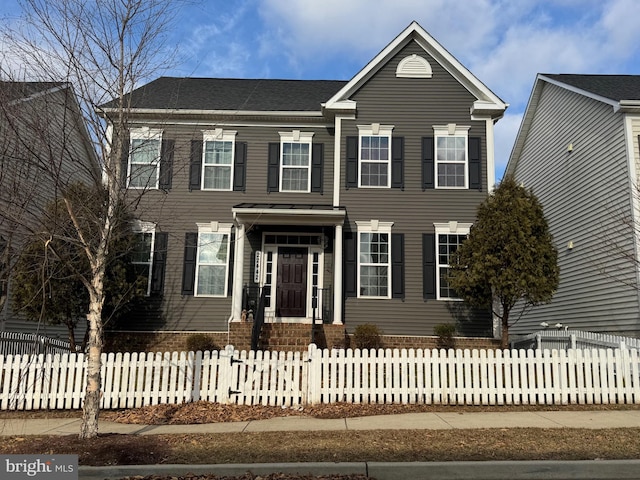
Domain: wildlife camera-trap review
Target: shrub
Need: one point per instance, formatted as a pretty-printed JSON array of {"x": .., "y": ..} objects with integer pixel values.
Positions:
[
  {"x": 200, "y": 341},
  {"x": 367, "y": 336},
  {"x": 445, "y": 333}
]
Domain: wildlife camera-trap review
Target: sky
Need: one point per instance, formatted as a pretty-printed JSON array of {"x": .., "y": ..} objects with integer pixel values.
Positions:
[{"x": 504, "y": 43}]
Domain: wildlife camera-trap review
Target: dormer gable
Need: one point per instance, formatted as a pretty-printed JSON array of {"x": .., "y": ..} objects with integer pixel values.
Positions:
[{"x": 416, "y": 66}]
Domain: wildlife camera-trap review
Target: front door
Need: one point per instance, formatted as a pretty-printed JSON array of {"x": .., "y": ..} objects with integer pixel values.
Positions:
[{"x": 291, "y": 288}]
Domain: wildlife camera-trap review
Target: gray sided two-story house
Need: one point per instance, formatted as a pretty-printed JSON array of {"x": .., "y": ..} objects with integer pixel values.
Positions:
[
  {"x": 44, "y": 146},
  {"x": 577, "y": 148},
  {"x": 337, "y": 202}
]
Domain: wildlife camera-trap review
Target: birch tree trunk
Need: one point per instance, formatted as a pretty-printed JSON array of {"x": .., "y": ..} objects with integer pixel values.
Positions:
[{"x": 104, "y": 49}]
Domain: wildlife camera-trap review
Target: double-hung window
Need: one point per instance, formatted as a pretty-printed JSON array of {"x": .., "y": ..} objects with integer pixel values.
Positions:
[
  {"x": 451, "y": 155},
  {"x": 212, "y": 261},
  {"x": 449, "y": 236},
  {"x": 374, "y": 164},
  {"x": 144, "y": 158},
  {"x": 374, "y": 259},
  {"x": 218, "y": 155},
  {"x": 142, "y": 254},
  {"x": 295, "y": 161}
]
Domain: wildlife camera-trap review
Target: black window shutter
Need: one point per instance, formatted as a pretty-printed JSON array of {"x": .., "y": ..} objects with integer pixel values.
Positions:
[
  {"x": 350, "y": 265},
  {"x": 159, "y": 263},
  {"x": 428, "y": 266},
  {"x": 166, "y": 164},
  {"x": 273, "y": 168},
  {"x": 190, "y": 256},
  {"x": 195, "y": 167},
  {"x": 352, "y": 162},
  {"x": 240, "y": 167},
  {"x": 397, "y": 265},
  {"x": 428, "y": 166},
  {"x": 317, "y": 166},
  {"x": 397, "y": 162},
  {"x": 124, "y": 162},
  {"x": 475, "y": 164}
]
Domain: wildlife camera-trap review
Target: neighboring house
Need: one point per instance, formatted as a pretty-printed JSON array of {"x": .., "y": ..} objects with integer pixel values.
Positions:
[
  {"x": 44, "y": 146},
  {"x": 339, "y": 200},
  {"x": 577, "y": 149}
]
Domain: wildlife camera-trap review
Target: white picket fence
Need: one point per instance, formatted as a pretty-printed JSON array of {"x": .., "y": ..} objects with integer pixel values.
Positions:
[{"x": 477, "y": 377}]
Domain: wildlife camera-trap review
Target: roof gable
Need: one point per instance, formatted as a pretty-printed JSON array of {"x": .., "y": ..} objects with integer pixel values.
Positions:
[
  {"x": 622, "y": 92},
  {"x": 487, "y": 102}
]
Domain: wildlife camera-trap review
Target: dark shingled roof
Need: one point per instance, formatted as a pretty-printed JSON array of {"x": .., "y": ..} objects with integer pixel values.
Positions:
[
  {"x": 16, "y": 90},
  {"x": 234, "y": 94},
  {"x": 615, "y": 87}
]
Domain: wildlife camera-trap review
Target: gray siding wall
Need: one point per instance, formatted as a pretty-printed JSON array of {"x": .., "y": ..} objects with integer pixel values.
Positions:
[
  {"x": 42, "y": 150},
  {"x": 586, "y": 199},
  {"x": 413, "y": 106},
  {"x": 177, "y": 212}
]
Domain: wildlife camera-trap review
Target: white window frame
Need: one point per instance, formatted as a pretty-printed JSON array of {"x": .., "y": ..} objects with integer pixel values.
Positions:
[
  {"x": 374, "y": 130},
  {"x": 451, "y": 131},
  {"x": 140, "y": 227},
  {"x": 449, "y": 228},
  {"x": 218, "y": 135},
  {"x": 374, "y": 226},
  {"x": 215, "y": 228},
  {"x": 300, "y": 138},
  {"x": 144, "y": 134}
]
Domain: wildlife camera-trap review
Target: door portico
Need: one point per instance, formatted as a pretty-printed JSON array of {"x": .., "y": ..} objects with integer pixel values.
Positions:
[{"x": 289, "y": 266}]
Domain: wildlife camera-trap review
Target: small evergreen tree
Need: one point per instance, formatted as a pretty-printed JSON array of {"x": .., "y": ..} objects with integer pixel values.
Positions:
[
  {"x": 51, "y": 272},
  {"x": 509, "y": 255}
]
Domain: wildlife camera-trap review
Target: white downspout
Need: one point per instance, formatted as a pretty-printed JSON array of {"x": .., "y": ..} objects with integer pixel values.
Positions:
[
  {"x": 238, "y": 270},
  {"x": 491, "y": 152},
  {"x": 337, "y": 241}
]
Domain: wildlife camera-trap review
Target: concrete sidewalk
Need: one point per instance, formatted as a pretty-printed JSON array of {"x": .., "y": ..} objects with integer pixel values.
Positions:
[
  {"x": 407, "y": 421},
  {"x": 534, "y": 470}
]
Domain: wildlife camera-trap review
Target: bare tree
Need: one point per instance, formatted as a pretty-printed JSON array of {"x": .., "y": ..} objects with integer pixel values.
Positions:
[{"x": 104, "y": 48}]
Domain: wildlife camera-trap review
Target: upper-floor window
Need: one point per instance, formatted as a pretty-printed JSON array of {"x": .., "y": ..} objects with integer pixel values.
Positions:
[
  {"x": 449, "y": 236},
  {"x": 451, "y": 156},
  {"x": 374, "y": 165},
  {"x": 218, "y": 159},
  {"x": 144, "y": 158},
  {"x": 374, "y": 259},
  {"x": 212, "y": 260},
  {"x": 142, "y": 254},
  {"x": 295, "y": 162}
]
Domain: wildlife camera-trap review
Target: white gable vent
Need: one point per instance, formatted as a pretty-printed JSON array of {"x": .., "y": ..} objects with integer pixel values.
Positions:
[{"x": 413, "y": 67}]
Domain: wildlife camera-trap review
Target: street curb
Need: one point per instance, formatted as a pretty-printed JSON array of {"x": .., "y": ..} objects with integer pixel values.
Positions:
[{"x": 491, "y": 470}]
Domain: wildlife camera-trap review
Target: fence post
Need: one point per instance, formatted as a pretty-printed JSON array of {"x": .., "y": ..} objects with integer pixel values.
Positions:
[
  {"x": 539, "y": 341},
  {"x": 312, "y": 387},
  {"x": 573, "y": 340},
  {"x": 226, "y": 373}
]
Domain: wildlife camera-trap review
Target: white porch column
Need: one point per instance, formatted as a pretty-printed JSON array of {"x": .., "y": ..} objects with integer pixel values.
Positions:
[
  {"x": 337, "y": 276},
  {"x": 238, "y": 269}
]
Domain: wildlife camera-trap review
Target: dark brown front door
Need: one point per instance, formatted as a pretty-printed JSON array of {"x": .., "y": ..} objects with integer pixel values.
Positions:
[{"x": 292, "y": 282}]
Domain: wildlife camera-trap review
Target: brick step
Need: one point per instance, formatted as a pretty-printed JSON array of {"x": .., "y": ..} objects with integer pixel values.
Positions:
[{"x": 287, "y": 336}]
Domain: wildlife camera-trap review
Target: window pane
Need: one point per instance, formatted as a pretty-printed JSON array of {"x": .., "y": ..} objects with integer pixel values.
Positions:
[
  {"x": 211, "y": 279},
  {"x": 218, "y": 153},
  {"x": 143, "y": 176},
  {"x": 212, "y": 248},
  {"x": 296, "y": 179},
  {"x": 142, "y": 248},
  {"x": 218, "y": 178},
  {"x": 145, "y": 150}
]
